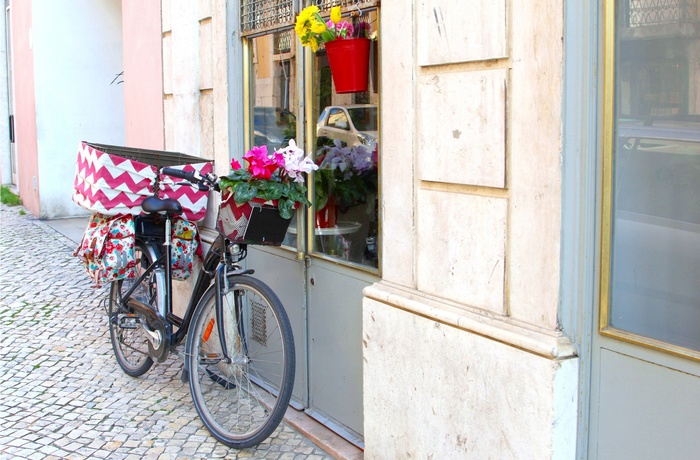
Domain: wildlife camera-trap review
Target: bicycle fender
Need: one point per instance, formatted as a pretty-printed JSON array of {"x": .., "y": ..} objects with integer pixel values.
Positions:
[{"x": 240, "y": 271}]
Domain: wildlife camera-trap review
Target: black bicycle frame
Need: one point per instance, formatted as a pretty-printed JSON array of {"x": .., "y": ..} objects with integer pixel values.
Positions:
[{"x": 215, "y": 268}]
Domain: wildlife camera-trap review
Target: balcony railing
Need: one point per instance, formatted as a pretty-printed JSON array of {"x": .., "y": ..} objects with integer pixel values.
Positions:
[
  {"x": 261, "y": 15},
  {"x": 656, "y": 12},
  {"x": 283, "y": 42}
]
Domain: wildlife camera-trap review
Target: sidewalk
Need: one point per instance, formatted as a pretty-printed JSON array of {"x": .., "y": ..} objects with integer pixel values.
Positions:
[{"x": 62, "y": 394}]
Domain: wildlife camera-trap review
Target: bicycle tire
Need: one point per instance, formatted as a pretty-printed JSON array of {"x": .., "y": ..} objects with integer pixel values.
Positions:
[
  {"x": 131, "y": 345},
  {"x": 241, "y": 403}
]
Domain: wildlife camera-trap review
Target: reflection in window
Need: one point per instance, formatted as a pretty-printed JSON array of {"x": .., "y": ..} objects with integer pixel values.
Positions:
[
  {"x": 346, "y": 143},
  {"x": 655, "y": 245},
  {"x": 347, "y": 152}
]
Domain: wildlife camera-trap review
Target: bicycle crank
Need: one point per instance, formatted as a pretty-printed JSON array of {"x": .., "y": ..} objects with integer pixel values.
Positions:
[{"x": 150, "y": 324}]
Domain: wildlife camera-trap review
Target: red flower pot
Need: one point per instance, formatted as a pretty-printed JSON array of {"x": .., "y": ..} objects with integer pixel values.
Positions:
[
  {"x": 349, "y": 61},
  {"x": 327, "y": 216}
]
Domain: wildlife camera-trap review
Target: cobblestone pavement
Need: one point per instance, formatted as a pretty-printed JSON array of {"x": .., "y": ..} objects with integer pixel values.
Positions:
[{"x": 62, "y": 394}]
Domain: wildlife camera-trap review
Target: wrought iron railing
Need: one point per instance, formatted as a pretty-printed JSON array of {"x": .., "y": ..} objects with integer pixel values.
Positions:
[
  {"x": 283, "y": 42},
  {"x": 259, "y": 16},
  {"x": 656, "y": 12}
]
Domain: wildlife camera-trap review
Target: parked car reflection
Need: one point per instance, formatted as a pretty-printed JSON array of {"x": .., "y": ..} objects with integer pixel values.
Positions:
[
  {"x": 273, "y": 127},
  {"x": 351, "y": 124}
]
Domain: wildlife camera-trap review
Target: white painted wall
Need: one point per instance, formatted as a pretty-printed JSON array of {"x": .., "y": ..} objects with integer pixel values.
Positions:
[{"x": 77, "y": 53}]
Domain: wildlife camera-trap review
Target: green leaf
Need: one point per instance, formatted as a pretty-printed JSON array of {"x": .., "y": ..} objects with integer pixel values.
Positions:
[
  {"x": 244, "y": 192},
  {"x": 286, "y": 208}
]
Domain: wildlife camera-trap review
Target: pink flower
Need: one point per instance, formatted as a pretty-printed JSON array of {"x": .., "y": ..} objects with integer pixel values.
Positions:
[
  {"x": 235, "y": 165},
  {"x": 341, "y": 29},
  {"x": 262, "y": 166}
]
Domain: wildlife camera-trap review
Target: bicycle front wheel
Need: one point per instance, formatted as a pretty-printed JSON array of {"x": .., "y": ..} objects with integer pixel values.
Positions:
[{"x": 241, "y": 402}]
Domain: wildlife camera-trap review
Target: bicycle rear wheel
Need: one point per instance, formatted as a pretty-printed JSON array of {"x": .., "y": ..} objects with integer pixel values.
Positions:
[
  {"x": 129, "y": 341},
  {"x": 241, "y": 403}
]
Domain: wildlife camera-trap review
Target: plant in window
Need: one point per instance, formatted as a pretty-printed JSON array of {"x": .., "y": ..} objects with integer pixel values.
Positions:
[
  {"x": 277, "y": 177},
  {"x": 346, "y": 175}
]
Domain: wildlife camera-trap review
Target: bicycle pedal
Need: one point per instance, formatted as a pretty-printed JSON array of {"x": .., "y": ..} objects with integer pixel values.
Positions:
[
  {"x": 210, "y": 359},
  {"x": 128, "y": 321}
]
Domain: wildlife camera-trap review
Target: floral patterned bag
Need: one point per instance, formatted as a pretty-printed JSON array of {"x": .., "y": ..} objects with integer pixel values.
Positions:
[
  {"x": 107, "y": 248},
  {"x": 185, "y": 244}
]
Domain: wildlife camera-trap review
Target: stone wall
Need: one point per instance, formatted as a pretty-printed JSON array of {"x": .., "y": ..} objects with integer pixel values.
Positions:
[{"x": 463, "y": 358}]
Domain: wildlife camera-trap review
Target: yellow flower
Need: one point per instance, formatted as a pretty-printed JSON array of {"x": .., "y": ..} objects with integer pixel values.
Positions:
[
  {"x": 313, "y": 43},
  {"x": 305, "y": 20},
  {"x": 335, "y": 14},
  {"x": 318, "y": 27}
]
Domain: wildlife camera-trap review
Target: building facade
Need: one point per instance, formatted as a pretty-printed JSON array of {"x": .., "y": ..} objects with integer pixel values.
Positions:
[{"x": 517, "y": 276}]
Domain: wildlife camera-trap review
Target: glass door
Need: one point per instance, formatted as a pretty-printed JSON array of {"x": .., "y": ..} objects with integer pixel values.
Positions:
[
  {"x": 344, "y": 228},
  {"x": 331, "y": 250},
  {"x": 646, "y": 349}
]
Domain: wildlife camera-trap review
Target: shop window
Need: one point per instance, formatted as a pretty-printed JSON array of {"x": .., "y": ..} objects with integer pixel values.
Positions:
[
  {"x": 650, "y": 292},
  {"x": 344, "y": 126}
]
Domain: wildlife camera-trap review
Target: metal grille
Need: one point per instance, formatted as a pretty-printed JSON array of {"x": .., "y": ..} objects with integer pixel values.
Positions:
[
  {"x": 654, "y": 12},
  {"x": 348, "y": 5},
  {"x": 261, "y": 15},
  {"x": 283, "y": 42},
  {"x": 259, "y": 323}
]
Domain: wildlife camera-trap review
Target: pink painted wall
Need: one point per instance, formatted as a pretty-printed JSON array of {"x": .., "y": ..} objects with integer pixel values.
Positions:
[
  {"x": 143, "y": 74},
  {"x": 25, "y": 113}
]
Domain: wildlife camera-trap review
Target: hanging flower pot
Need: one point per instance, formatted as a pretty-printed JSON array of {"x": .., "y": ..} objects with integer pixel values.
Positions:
[{"x": 349, "y": 62}]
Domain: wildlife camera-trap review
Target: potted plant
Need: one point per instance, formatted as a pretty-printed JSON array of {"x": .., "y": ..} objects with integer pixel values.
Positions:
[
  {"x": 346, "y": 176},
  {"x": 270, "y": 180},
  {"x": 347, "y": 46}
]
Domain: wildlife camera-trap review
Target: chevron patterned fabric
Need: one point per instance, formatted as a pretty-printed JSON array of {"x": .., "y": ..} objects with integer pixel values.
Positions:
[{"x": 112, "y": 185}]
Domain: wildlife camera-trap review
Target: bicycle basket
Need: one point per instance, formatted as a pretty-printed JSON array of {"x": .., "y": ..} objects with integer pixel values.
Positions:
[
  {"x": 254, "y": 222},
  {"x": 114, "y": 180}
]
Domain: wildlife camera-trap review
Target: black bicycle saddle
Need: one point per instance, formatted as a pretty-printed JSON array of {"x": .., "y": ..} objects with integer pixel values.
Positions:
[{"x": 167, "y": 205}]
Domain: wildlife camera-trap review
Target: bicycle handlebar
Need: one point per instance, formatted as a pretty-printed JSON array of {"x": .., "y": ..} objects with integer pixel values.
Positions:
[
  {"x": 204, "y": 183},
  {"x": 188, "y": 176}
]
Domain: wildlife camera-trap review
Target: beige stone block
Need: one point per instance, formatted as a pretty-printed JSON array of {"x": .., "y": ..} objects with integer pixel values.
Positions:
[
  {"x": 461, "y": 241},
  {"x": 206, "y": 62},
  {"x": 461, "y": 140},
  {"x": 205, "y": 9},
  {"x": 452, "y": 31},
  {"x": 168, "y": 123},
  {"x": 167, "y": 63},
  {"x": 206, "y": 120},
  {"x": 221, "y": 90},
  {"x": 165, "y": 14},
  {"x": 535, "y": 162},
  {"x": 435, "y": 391},
  {"x": 397, "y": 149}
]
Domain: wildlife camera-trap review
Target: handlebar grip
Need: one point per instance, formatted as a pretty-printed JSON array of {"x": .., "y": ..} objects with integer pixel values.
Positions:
[{"x": 188, "y": 176}]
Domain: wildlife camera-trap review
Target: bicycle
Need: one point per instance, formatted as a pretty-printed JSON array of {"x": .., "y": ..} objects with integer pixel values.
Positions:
[{"x": 239, "y": 355}]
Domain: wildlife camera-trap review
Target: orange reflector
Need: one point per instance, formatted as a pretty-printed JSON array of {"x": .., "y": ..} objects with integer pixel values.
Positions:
[{"x": 207, "y": 331}]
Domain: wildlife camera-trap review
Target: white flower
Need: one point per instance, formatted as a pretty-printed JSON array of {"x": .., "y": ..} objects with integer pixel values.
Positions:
[{"x": 295, "y": 163}]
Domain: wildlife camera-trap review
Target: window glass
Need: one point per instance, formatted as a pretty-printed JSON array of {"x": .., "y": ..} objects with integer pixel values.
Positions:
[
  {"x": 347, "y": 151},
  {"x": 345, "y": 142},
  {"x": 655, "y": 221},
  {"x": 274, "y": 95}
]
